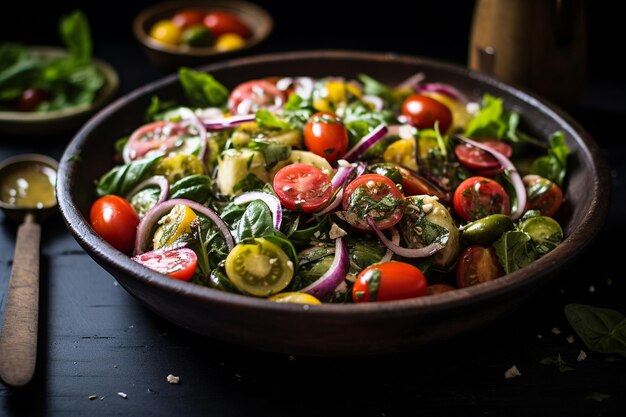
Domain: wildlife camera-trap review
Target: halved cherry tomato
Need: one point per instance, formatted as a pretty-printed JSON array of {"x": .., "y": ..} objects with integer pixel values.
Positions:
[
  {"x": 115, "y": 220},
  {"x": 223, "y": 22},
  {"x": 389, "y": 281},
  {"x": 302, "y": 187},
  {"x": 162, "y": 138},
  {"x": 251, "y": 96},
  {"x": 543, "y": 195},
  {"x": 475, "y": 158},
  {"x": 422, "y": 112},
  {"x": 375, "y": 196},
  {"x": 179, "y": 263},
  {"x": 477, "y": 264},
  {"x": 187, "y": 18},
  {"x": 31, "y": 98},
  {"x": 415, "y": 184},
  {"x": 478, "y": 197},
  {"x": 326, "y": 136}
]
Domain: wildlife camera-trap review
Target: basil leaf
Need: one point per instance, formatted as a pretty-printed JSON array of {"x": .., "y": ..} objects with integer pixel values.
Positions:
[
  {"x": 372, "y": 87},
  {"x": 250, "y": 183},
  {"x": 601, "y": 329},
  {"x": 157, "y": 108},
  {"x": 194, "y": 187},
  {"x": 202, "y": 89},
  {"x": 123, "y": 178},
  {"x": 302, "y": 238},
  {"x": 514, "y": 250},
  {"x": 256, "y": 221},
  {"x": 554, "y": 165}
]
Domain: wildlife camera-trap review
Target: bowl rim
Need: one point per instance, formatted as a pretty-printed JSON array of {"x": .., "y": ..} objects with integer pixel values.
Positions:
[
  {"x": 144, "y": 38},
  {"x": 107, "y": 91},
  {"x": 589, "y": 227}
]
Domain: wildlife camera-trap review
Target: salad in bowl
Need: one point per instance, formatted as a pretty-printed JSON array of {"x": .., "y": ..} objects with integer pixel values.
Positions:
[{"x": 332, "y": 190}]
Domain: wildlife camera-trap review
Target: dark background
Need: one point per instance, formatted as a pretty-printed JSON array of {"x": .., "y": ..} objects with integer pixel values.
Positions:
[{"x": 96, "y": 339}]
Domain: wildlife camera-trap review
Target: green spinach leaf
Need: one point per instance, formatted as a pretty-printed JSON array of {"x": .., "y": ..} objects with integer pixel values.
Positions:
[
  {"x": 202, "y": 89},
  {"x": 285, "y": 244},
  {"x": 194, "y": 187},
  {"x": 256, "y": 221},
  {"x": 121, "y": 179},
  {"x": 265, "y": 119},
  {"x": 250, "y": 183},
  {"x": 273, "y": 152},
  {"x": 601, "y": 329},
  {"x": 157, "y": 107},
  {"x": 514, "y": 250},
  {"x": 76, "y": 35}
]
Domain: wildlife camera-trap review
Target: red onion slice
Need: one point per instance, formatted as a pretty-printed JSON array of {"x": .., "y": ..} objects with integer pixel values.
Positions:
[
  {"x": 272, "y": 202},
  {"x": 412, "y": 82},
  {"x": 146, "y": 225},
  {"x": 399, "y": 250},
  {"x": 395, "y": 239},
  {"x": 158, "y": 180},
  {"x": 375, "y": 101},
  {"x": 337, "y": 271},
  {"x": 510, "y": 170},
  {"x": 367, "y": 142},
  {"x": 227, "y": 123},
  {"x": 445, "y": 89}
]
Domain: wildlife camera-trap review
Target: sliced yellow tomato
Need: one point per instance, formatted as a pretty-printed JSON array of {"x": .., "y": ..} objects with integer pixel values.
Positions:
[
  {"x": 402, "y": 152},
  {"x": 259, "y": 267},
  {"x": 180, "y": 166},
  {"x": 295, "y": 298},
  {"x": 173, "y": 225}
]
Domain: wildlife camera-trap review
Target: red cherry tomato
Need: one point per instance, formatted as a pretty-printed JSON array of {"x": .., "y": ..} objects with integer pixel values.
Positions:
[
  {"x": 220, "y": 23},
  {"x": 158, "y": 137},
  {"x": 477, "y": 159},
  {"x": 302, "y": 187},
  {"x": 478, "y": 197},
  {"x": 415, "y": 184},
  {"x": 422, "y": 112},
  {"x": 31, "y": 98},
  {"x": 543, "y": 195},
  {"x": 326, "y": 136},
  {"x": 179, "y": 263},
  {"x": 477, "y": 264},
  {"x": 185, "y": 19},
  {"x": 251, "y": 96},
  {"x": 115, "y": 220},
  {"x": 389, "y": 281},
  {"x": 360, "y": 199}
]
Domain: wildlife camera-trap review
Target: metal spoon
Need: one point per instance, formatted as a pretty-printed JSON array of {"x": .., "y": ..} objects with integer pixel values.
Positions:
[{"x": 18, "y": 337}]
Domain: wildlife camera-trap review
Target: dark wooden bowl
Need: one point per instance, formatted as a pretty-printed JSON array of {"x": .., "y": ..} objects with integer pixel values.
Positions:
[
  {"x": 170, "y": 57},
  {"x": 332, "y": 329}
]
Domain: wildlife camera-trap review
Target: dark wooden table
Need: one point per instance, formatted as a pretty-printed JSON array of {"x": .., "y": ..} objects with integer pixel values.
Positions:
[{"x": 95, "y": 339}]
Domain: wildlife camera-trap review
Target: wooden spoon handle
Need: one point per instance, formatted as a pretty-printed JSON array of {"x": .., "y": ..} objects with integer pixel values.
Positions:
[{"x": 18, "y": 337}]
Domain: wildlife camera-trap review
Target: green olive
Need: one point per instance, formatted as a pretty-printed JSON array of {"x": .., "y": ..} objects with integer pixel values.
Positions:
[
  {"x": 488, "y": 229},
  {"x": 197, "y": 35},
  {"x": 545, "y": 232}
]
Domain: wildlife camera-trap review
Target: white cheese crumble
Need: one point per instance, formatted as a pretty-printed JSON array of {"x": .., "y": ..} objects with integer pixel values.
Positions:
[
  {"x": 556, "y": 330},
  {"x": 370, "y": 184},
  {"x": 123, "y": 395},
  {"x": 336, "y": 232},
  {"x": 581, "y": 356},
  {"x": 570, "y": 339},
  {"x": 512, "y": 372},
  {"x": 427, "y": 207},
  {"x": 172, "y": 379}
]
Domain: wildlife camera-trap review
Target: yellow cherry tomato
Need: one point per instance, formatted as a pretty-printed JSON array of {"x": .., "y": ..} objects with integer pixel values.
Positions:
[
  {"x": 402, "y": 152},
  {"x": 166, "y": 31},
  {"x": 295, "y": 298},
  {"x": 229, "y": 42},
  {"x": 173, "y": 225}
]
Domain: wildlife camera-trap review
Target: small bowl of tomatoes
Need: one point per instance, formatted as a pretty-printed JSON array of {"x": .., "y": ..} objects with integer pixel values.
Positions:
[{"x": 194, "y": 32}]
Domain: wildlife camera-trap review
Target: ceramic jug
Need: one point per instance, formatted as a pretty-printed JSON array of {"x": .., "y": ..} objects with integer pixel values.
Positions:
[{"x": 537, "y": 44}]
